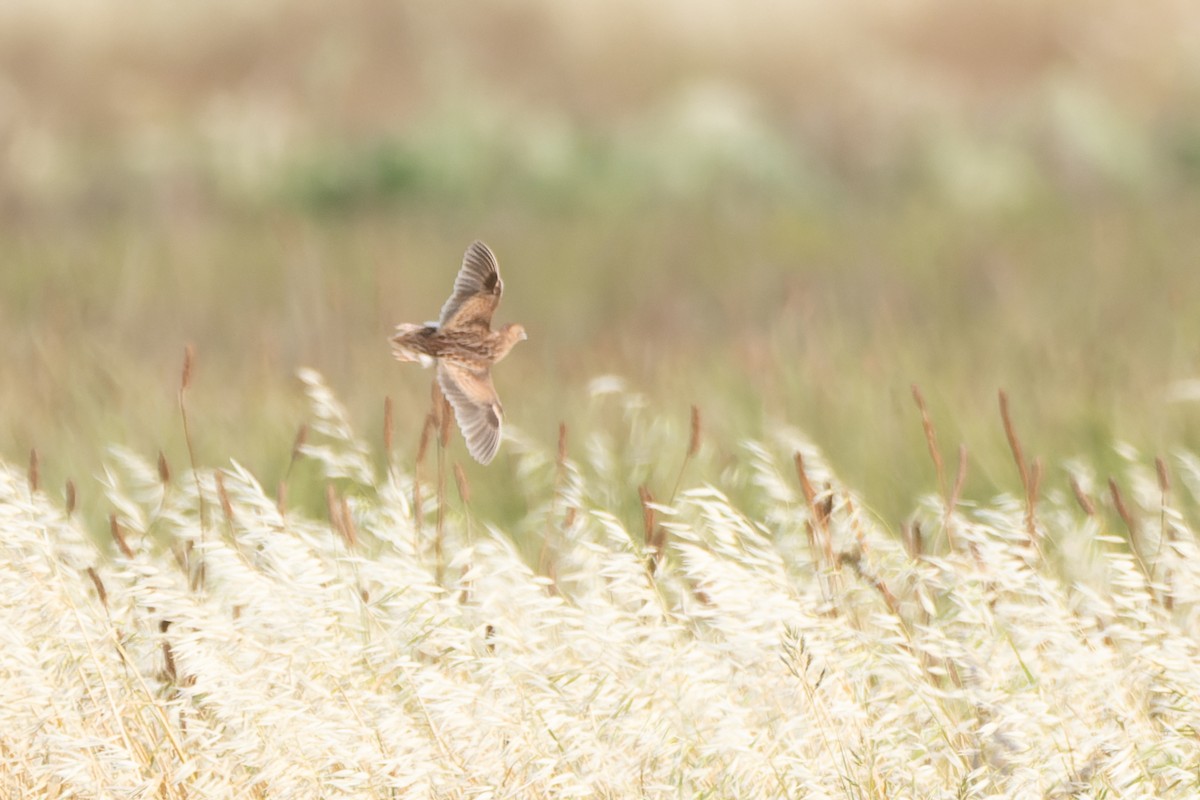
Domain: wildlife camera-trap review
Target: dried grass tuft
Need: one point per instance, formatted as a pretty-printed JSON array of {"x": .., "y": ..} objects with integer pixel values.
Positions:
[{"x": 334, "y": 658}]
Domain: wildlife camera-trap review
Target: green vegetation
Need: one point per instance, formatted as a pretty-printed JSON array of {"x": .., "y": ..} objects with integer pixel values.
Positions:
[
  {"x": 756, "y": 311},
  {"x": 713, "y": 232}
]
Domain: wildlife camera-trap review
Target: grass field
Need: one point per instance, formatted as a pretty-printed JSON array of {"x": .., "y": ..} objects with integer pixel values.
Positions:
[
  {"x": 402, "y": 646},
  {"x": 782, "y": 218}
]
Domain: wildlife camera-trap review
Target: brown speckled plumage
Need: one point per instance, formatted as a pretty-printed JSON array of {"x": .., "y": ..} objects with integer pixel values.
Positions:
[{"x": 464, "y": 347}]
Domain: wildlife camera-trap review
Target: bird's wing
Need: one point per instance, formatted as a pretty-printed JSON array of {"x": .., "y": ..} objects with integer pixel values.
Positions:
[
  {"x": 476, "y": 406},
  {"x": 477, "y": 291}
]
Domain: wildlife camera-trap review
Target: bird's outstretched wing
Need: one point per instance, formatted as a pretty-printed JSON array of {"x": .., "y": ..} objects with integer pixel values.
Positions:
[
  {"x": 477, "y": 291},
  {"x": 476, "y": 406}
]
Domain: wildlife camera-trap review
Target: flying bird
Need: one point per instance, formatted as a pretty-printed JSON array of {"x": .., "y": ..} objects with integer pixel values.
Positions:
[{"x": 464, "y": 347}]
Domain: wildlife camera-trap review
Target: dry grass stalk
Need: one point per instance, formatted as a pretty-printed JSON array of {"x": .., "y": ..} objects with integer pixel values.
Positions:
[
  {"x": 655, "y": 535},
  {"x": 911, "y": 534},
  {"x": 1167, "y": 531},
  {"x": 418, "y": 504},
  {"x": 960, "y": 480},
  {"x": 226, "y": 506},
  {"x": 439, "y": 554},
  {"x": 659, "y": 544},
  {"x": 168, "y": 656},
  {"x": 819, "y": 511},
  {"x": 820, "y": 506},
  {"x": 446, "y": 426},
  {"x": 388, "y": 429},
  {"x": 561, "y": 460},
  {"x": 443, "y": 414},
  {"x": 1164, "y": 478},
  {"x": 34, "y": 477},
  {"x": 1014, "y": 442},
  {"x": 195, "y": 573},
  {"x": 118, "y": 535},
  {"x": 1035, "y": 486},
  {"x": 422, "y": 450},
  {"x": 281, "y": 498},
  {"x": 185, "y": 380},
  {"x": 855, "y": 560},
  {"x": 100, "y": 591},
  {"x": 1081, "y": 497},
  {"x": 71, "y": 497},
  {"x": 462, "y": 484},
  {"x": 349, "y": 527},
  {"x": 1131, "y": 523},
  {"x": 333, "y": 507},
  {"x": 560, "y": 474},
  {"x": 810, "y": 525},
  {"x": 1133, "y": 527},
  {"x": 169, "y": 663},
  {"x": 695, "y": 438},
  {"x": 935, "y": 453},
  {"x": 435, "y": 403},
  {"x": 179, "y": 552},
  {"x": 552, "y": 588},
  {"x": 1029, "y": 482},
  {"x": 426, "y": 431},
  {"x": 810, "y": 496},
  {"x": 647, "y": 513},
  {"x": 297, "y": 448},
  {"x": 336, "y": 510},
  {"x": 164, "y": 469},
  {"x": 825, "y": 505},
  {"x": 464, "y": 496},
  {"x": 464, "y": 592}
]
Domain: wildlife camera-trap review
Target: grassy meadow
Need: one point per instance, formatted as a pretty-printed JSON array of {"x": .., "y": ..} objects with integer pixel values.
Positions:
[{"x": 733, "y": 237}]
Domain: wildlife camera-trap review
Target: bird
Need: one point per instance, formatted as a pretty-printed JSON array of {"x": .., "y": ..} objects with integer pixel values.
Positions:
[{"x": 464, "y": 347}]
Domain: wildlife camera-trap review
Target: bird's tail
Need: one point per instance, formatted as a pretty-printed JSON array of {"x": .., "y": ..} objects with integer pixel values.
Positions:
[{"x": 406, "y": 346}]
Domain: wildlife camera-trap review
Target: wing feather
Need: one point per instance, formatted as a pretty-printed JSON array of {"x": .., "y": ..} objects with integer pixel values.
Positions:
[
  {"x": 477, "y": 290},
  {"x": 476, "y": 407}
]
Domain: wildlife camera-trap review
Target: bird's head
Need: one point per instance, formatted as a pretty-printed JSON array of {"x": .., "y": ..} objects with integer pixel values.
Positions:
[{"x": 509, "y": 335}]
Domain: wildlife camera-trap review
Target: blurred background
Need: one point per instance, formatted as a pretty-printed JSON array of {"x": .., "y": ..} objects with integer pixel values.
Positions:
[{"x": 784, "y": 213}]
